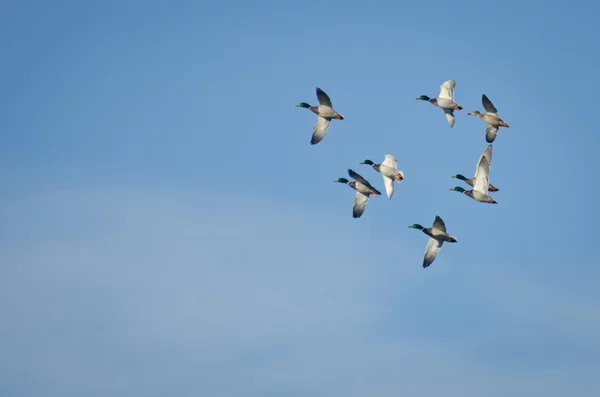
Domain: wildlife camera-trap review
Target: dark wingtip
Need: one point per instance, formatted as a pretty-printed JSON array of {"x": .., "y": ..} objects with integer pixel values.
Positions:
[{"x": 314, "y": 140}]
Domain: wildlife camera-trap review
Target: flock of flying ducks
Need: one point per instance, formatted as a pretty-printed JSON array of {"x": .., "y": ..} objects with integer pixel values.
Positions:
[{"x": 388, "y": 168}]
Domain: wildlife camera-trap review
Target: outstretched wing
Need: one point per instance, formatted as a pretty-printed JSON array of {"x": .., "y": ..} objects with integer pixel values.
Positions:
[
  {"x": 489, "y": 106},
  {"x": 357, "y": 177},
  {"x": 360, "y": 203},
  {"x": 320, "y": 130},
  {"x": 431, "y": 251},
  {"x": 360, "y": 180},
  {"x": 323, "y": 98},
  {"x": 447, "y": 89},
  {"x": 449, "y": 116},
  {"x": 390, "y": 161},
  {"x": 389, "y": 186},
  {"x": 490, "y": 133},
  {"x": 487, "y": 153},
  {"x": 482, "y": 182},
  {"x": 439, "y": 224}
]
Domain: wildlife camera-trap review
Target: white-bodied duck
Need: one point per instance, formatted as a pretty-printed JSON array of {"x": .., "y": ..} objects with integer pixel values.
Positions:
[
  {"x": 482, "y": 182},
  {"x": 471, "y": 181},
  {"x": 445, "y": 100},
  {"x": 389, "y": 170}
]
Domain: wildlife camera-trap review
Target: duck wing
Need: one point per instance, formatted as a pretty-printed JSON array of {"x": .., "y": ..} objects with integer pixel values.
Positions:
[
  {"x": 482, "y": 182},
  {"x": 323, "y": 98},
  {"x": 360, "y": 203},
  {"x": 447, "y": 89},
  {"x": 431, "y": 251},
  {"x": 490, "y": 133},
  {"x": 354, "y": 175},
  {"x": 390, "y": 161},
  {"x": 439, "y": 224},
  {"x": 449, "y": 116},
  {"x": 321, "y": 128},
  {"x": 489, "y": 106},
  {"x": 389, "y": 186},
  {"x": 487, "y": 153}
]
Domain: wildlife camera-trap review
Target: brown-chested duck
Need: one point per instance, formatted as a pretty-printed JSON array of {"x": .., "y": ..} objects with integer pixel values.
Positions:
[
  {"x": 389, "y": 171},
  {"x": 363, "y": 191},
  {"x": 445, "y": 100},
  {"x": 492, "y": 121},
  {"x": 481, "y": 186},
  {"x": 471, "y": 181},
  {"x": 325, "y": 113},
  {"x": 437, "y": 236}
]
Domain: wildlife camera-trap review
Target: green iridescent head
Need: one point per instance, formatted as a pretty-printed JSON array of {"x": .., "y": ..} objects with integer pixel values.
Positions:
[
  {"x": 342, "y": 180},
  {"x": 416, "y": 226},
  {"x": 303, "y": 105},
  {"x": 458, "y": 189},
  {"x": 423, "y": 98},
  {"x": 459, "y": 176},
  {"x": 367, "y": 162}
]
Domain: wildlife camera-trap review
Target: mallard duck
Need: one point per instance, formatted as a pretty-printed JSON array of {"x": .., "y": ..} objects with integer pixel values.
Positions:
[
  {"x": 445, "y": 100},
  {"x": 437, "y": 235},
  {"x": 389, "y": 170},
  {"x": 363, "y": 191},
  {"x": 471, "y": 181},
  {"x": 325, "y": 113},
  {"x": 480, "y": 190},
  {"x": 493, "y": 122}
]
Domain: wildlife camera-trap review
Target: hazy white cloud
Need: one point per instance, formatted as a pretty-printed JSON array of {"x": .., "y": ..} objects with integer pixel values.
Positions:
[{"x": 147, "y": 292}]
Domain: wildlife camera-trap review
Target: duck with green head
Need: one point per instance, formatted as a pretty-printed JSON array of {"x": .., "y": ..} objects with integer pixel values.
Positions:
[
  {"x": 325, "y": 113},
  {"x": 481, "y": 184},
  {"x": 389, "y": 171},
  {"x": 437, "y": 236},
  {"x": 492, "y": 121},
  {"x": 445, "y": 100},
  {"x": 471, "y": 181},
  {"x": 363, "y": 191}
]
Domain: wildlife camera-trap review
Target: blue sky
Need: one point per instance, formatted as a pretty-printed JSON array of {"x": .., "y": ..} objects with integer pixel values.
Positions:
[{"x": 168, "y": 229}]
